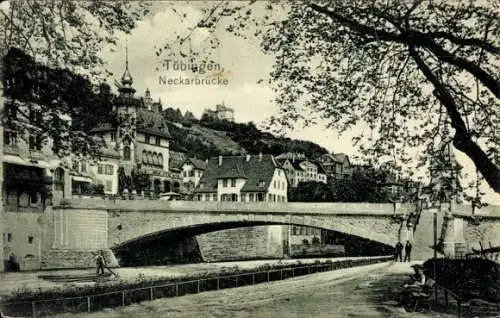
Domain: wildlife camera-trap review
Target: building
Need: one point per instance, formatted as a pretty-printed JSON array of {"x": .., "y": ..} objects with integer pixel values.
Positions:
[
  {"x": 244, "y": 179},
  {"x": 221, "y": 112},
  {"x": 192, "y": 171},
  {"x": 140, "y": 136},
  {"x": 336, "y": 165},
  {"x": 86, "y": 175},
  {"x": 299, "y": 168}
]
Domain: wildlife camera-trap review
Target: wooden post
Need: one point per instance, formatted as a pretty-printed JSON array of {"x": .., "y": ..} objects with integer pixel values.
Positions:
[
  {"x": 176, "y": 290},
  {"x": 88, "y": 303},
  {"x": 253, "y": 279},
  {"x": 236, "y": 284},
  {"x": 217, "y": 283},
  {"x": 151, "y": 297},
  {"x": 293, "y": 272},
  {"x": 123, "y": 298},
  {"x": 281, "y": 274},
  {"x": 198, "y": 287},
  {"x": 268, "y": 276}
]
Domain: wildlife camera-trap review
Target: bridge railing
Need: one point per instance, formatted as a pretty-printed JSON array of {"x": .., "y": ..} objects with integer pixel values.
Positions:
[
  {"x": 232, "y": 207},
  {"x": 124, "y": 297}
]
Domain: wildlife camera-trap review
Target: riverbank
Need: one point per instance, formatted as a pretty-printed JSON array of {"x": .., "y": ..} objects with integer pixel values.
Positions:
[{"x": 123, "y": 292}]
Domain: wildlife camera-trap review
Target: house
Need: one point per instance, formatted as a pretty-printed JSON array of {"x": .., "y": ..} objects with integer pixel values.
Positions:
[
  {"x": 141, "y": 137},
  {"x": 336, "y": 165},
  {"x": 192, "y": 170},
  {"x": 299, "y": 168},
  {"x": 244, "y": 179},
  {"x": 85, "y": 175}
]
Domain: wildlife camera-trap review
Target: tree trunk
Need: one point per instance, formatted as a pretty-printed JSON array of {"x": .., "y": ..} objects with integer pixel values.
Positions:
[
  {"x": 2, "y": 212},
  {"x": 484, "y": 165}
]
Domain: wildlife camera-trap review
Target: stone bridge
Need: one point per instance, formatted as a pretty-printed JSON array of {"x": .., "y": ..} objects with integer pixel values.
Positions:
[
  {"x": 89, "y": 225},
  {"x": 128, "y": 221}
]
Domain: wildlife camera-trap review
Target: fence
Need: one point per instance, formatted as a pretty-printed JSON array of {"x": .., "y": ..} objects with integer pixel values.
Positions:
[
  {"x": 89, "y": 303},
  {"x": 471, "y": 308}
]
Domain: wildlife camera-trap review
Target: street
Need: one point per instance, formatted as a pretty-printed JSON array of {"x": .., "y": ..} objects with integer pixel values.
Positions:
[{"x": 354, "y": 292}]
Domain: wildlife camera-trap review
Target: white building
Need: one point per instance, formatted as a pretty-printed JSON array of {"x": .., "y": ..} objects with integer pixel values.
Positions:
[
  {"x": 300, "y": 169},
  {"x": 243, "y": 178},
  {"x": 191, "y": 170}
]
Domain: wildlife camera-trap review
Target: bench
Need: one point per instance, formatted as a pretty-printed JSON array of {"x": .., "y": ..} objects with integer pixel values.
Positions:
[{"x": 419, "y": 295}]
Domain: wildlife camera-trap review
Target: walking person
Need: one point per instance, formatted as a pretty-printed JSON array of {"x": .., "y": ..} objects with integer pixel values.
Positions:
[
  {"x": 408, "y": 251},
  {"x": 398, "y": 252},
  {"x": 99, "y": 262}
]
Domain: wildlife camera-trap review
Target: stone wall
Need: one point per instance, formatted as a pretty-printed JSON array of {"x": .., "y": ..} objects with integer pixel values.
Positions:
[
  {"x": 486, "y": 231},
  {"x": 242, "y": 243}
]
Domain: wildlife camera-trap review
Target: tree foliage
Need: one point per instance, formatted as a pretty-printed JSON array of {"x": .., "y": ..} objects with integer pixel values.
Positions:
[
  {"x": 420, "y": 74},
  {"x": 49, "y": 43}
]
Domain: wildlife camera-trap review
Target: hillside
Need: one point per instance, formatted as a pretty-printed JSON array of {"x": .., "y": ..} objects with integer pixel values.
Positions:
[{"x": 208, "y": 137}]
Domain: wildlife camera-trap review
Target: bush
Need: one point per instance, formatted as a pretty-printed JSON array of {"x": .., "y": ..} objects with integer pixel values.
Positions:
[{"x": 469, "y": 278}]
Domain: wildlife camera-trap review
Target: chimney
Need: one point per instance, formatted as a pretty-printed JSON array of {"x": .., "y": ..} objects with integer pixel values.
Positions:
[
  {"x": 248, "y": 158},
  {"x": 220, "y": 161},
  {"x": 260, "y": 156}
]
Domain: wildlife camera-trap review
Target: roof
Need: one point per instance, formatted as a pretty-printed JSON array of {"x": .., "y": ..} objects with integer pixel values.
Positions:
[
  {"x": 148, "y": 122},
  {"x": 256, "y": 170},
  {"x": 197, "y": 163},
  {"x": 109, "y": 152},
  {"x": 291, "y": 155},
  {"x": 176, "y": 160},
  {"x": 337, "y": 157},
  {"x": 152, "y": 123}
]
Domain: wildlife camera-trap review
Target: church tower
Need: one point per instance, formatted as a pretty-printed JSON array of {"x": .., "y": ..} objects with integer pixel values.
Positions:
[{"x": 126, "y": 112}]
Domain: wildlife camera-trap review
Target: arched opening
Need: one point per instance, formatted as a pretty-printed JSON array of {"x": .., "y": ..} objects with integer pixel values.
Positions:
[
  {"x": 160, "y": 159},
  {"x": 157, "y": 186},
  {"x": 126, "y": 153},
  {"x": 144, "y": 157},
  {"x": 166, "y": 184},
  {"x": 177, "y": 187}
]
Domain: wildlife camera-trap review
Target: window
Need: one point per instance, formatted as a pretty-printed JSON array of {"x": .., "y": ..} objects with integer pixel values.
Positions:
[
  {"x": 214, "y": 197},
  {"x": 99, "y": 169},
  {"x": 108, "y": 186},
  {"x": 30, "y": 239},
  {"x": 126, "y": 153},
  {"x": 9, "y": 237},
  {"x": 274, "y": 184},
  {"x": 233, "y": 183},
  {"x": 269, "y": 197},
  {"x": 147, "y": 138},
  {"x": 75, "y": 165},
  {"x": 10, "y": 138},
  {"x": 113, "y": 136},
  {"x": 199, "y": 197},
  {"x": 243, "y": 197},
  {"x": 262, "y": 184},
  {"x": 35, "y": 142},
  {"x": 158, "y": 141},
  {"x": 108, "y": 169},
  {"x": 250, "y": 197},
  {"x": 83, "y": 167},
  {"x": 224, "y": 183},
  {"x": 33, "y": 197}
]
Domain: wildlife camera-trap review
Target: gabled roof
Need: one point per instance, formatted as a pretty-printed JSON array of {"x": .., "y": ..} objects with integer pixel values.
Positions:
[
  {"x": 151, "y": 122},
  {"x": 176, "y": 160},
  {"x": 337, "y": 157},
  {"x": 257, "y": 170},
  {"x": 197, "y": 163}
]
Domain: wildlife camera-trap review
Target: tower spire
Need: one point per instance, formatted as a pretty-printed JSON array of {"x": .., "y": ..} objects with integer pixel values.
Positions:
[{"x": 126, "y": 54}]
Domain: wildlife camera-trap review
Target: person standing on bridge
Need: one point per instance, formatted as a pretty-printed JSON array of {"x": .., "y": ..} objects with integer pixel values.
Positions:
[
  {"x": 398, "y": 252},
  {"x": 408, "y": 251},
  {"x": 99, "y": 262}
]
